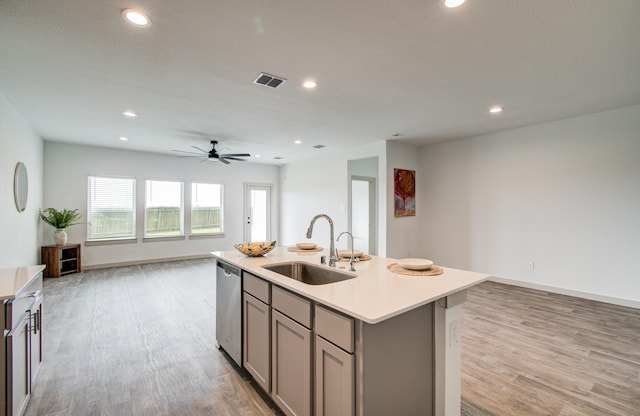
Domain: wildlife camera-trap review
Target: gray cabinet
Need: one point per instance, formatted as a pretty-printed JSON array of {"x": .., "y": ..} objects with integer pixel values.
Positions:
[
  {"x": 314, "y": 360},
  {"x": 257, "y": 340},
  {"x": 334, "y": 380},
  {"x": 291, "y": 347},
  {"x": 256, "y": 326},
  {"x": 291, "y": 359},
  {"x": 334, "y": 392}
]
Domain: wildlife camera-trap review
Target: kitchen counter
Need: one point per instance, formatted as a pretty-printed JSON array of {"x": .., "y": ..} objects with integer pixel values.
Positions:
[
  {"x": 375, "y": 295},
  {"x": 13, "y": 280}
]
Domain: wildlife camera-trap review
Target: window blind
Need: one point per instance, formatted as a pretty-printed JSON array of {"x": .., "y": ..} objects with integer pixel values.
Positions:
[
  {"x": 112, "y": 208},
  {"x": 206, "y": 208}
]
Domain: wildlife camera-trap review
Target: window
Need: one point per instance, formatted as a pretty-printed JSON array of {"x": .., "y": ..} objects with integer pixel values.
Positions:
[
  {"x": 164, "y": 214},
  {"x": 206, "y": 208},
  {"x": 112, "y": 208}
]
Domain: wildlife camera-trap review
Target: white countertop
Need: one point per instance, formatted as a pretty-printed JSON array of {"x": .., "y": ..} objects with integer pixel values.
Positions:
[
  {"x": 374, "y": 295},
  {"x": 14, "y": 279}
]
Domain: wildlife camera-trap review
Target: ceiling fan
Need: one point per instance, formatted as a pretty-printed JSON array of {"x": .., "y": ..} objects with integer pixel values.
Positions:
[{"x": 213, "y": 155}]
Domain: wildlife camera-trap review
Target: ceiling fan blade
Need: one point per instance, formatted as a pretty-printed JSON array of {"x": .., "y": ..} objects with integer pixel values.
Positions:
[
  {"x": 236, "y": 155},
  {"x": 202, "y": 150},
  {"x": 223, "y": 160},
  {"x": 193, "y": 156},
  {"x": 235, "y": 158},
  {"x": 189, "y": 153}
]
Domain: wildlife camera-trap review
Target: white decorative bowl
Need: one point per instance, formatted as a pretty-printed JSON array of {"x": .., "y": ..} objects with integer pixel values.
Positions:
[
  {"x": 415, "y": 264},
  {"x": 306, "y": 246}
]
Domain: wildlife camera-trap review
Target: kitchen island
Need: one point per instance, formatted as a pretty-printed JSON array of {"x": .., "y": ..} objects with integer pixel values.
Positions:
[{"x": 378, "y": 343}]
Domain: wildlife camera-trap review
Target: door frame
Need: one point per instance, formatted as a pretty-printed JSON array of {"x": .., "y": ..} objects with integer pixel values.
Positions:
[
  {"x": 373, "y": 210},
  {"x": 246, "y": 227}
]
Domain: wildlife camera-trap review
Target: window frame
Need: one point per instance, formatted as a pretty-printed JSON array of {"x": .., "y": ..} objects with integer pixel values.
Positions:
[
  {"x": 112, "y": 240},
  {"x": 221, "y": 214},
  {"x": 181, "y": 235}
]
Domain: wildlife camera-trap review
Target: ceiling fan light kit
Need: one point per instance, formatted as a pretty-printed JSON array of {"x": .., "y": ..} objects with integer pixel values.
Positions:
[{"x": 213, "y": 155}]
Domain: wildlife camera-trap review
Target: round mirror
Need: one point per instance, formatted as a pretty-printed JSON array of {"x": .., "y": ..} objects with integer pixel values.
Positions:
[{"x": 20, "y": 186}]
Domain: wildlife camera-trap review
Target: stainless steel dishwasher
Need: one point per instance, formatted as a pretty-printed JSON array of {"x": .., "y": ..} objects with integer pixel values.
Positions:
[{"x": 229, "y": 310}]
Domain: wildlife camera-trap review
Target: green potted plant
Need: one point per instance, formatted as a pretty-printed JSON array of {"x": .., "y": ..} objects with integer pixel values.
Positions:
[{"x": 60, "y": 220}]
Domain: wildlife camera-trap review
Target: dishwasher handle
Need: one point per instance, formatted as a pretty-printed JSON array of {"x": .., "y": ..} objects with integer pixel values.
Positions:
[{"x": 228, "y": 269}]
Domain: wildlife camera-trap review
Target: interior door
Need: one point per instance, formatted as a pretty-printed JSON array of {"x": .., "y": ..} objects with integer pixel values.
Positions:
[{"x": 257, "y": 212}]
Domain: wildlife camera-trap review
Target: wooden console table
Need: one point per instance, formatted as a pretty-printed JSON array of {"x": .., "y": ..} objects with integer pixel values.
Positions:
[{"x": 61, "y": 260}]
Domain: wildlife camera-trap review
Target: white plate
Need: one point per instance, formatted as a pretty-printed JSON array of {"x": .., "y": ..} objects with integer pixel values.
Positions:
[
  {"x": 306, "y": 246},
  {"x": 415, "y": 264},
  {"x": 347, "y": 253}
]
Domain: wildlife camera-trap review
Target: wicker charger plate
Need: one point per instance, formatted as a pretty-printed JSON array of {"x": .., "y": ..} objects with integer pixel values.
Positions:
[
  {"x": 299, "y": 250},
  {"x": 364, "y": 257},
  {"x": 433, "y": 271}
]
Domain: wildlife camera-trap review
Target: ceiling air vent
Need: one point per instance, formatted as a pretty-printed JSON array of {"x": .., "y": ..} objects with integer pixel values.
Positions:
[
  {"x": 319, "y": 146},
  {"x": 269, "y": 80}
]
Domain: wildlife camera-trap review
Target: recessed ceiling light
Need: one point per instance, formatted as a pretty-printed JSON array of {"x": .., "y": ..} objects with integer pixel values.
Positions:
[
  {"x": 130, "y": 114},
  {"x": 310, "y": 84},
  {"x": 136, "y": 17},
  {"x": 124, "y": 139},
  {"x": 496, "y": 109},
  {"x": 257, "y": 155},
  {"x": 297, "y": 141},
  {"x": 453, "y": 3}
]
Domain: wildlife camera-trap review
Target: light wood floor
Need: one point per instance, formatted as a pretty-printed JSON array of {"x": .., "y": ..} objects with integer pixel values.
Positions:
[
  {"x": 141, "y": 341},
  {"x": 528, "y": 352},
  {"x": 137, "y": 341}
]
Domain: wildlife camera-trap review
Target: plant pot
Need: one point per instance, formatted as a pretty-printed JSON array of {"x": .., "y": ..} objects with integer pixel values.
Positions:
[{"x": 60, "y": 236}]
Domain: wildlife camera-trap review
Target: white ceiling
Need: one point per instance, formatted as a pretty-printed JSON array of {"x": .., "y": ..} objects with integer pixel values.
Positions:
[{"x": 414, "y": 67}]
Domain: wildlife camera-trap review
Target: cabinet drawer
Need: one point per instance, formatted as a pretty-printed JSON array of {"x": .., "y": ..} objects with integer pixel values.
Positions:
[
  {"x": 295, "y": 307},
  {"x": 15, "y": 308},
  {"x": 257, "y": 287},
  {"x": 335, "y": 327}
]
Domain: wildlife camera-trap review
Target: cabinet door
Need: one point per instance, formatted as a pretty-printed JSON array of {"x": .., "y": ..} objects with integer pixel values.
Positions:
[
  {"x": 257, "y": 341},
  {"x": 334, "y": 380},
  {"x": 291, "y": 361},
  {"x": 36, "y": 340},
  {"x": 18, "y": 367}
]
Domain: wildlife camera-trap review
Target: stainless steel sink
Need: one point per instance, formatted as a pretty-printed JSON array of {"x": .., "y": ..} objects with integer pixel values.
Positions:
[{"x": 309, "y": 273}]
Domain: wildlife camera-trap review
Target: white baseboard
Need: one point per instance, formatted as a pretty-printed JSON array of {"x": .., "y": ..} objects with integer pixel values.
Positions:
[
  {"x": 585, "y": 295},
  {"x": 145, "y": 261}
]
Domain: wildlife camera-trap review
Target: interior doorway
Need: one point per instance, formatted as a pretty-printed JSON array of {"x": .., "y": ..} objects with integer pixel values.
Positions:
[
  {"x": 257, "y": 212},
  {"x": 363, "y": 214}
]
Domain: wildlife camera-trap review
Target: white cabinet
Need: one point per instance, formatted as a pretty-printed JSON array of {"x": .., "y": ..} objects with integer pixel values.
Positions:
[
  {"x": 36, "y": 340},
  {"x": 18, "y": 377},
  {"x": 23, "y": 342}
]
